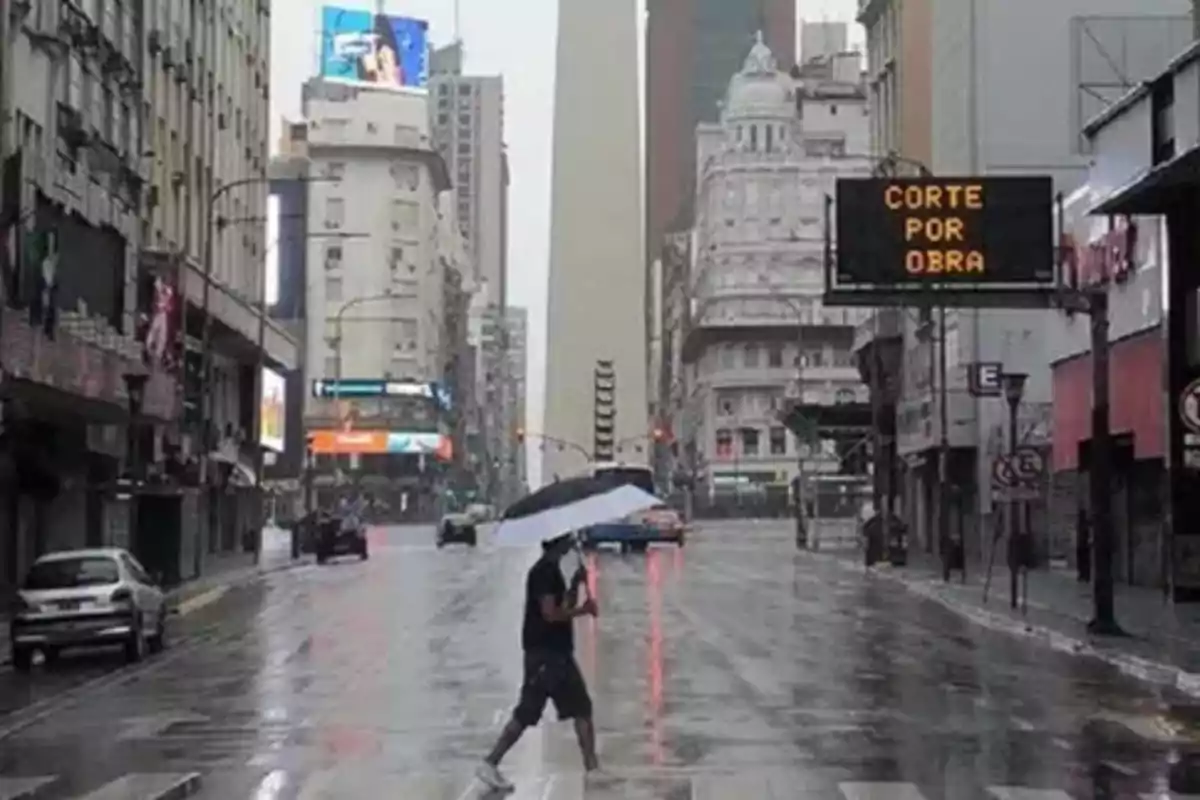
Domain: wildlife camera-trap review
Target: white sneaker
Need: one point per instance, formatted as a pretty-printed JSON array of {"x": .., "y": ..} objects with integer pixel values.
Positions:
[{"x": 490, "y": 776}]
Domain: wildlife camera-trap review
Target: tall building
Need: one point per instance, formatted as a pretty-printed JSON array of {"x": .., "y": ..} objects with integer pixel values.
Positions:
[
  {"x": 467, "y": 123},
  {"x": 597, "y": 278},
  {"x": 925, "y": 59},
  {"x": 692, "y": 47},
  {"x": 122, "y": 128},
  {"x": 375, "y": 284},
  {"x": 759, "y": 340},
  {"x": 466, "y": 115},
  {"x": 516, "y": 320}
]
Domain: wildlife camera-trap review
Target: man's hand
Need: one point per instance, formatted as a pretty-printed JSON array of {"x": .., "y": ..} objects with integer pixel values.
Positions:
[{"x": 588, "y": 607}]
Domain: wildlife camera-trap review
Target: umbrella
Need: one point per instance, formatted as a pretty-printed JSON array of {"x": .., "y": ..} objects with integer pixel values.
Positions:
[{"x": 568, "y": 506}]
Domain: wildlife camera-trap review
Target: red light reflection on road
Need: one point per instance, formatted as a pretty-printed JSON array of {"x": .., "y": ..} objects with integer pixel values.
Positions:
[{"x": 654, "y": 654}]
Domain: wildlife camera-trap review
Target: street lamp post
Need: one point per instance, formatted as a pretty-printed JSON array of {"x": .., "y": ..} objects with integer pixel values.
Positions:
[{"x": 1014, "y": 388}]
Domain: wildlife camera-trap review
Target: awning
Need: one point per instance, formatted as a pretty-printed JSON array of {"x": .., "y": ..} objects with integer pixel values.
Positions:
[
  {"x": 241, "y": 474},
  {"x": 1156, "y": 188}
]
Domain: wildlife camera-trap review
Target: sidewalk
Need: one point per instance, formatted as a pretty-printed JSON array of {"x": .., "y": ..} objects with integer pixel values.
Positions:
[
  {"x": 1164, "y": 642},
  {"x": 222, "y": 572}
]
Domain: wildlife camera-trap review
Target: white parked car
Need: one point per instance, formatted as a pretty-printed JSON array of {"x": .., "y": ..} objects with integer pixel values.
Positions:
[{"x": 80, "y": 598}]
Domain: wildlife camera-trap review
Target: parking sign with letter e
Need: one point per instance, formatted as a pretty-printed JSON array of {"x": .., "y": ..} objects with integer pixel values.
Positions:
[{"x": 984, "y": 379}]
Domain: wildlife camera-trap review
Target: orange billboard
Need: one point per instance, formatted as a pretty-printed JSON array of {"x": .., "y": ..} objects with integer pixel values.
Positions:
[
  {"x": 369, "y": 442},
  {"x": 347, "y": 442}
]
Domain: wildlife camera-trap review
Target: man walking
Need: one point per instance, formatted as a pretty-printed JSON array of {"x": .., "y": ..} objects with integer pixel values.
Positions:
[{"x": 550, "y": 671}]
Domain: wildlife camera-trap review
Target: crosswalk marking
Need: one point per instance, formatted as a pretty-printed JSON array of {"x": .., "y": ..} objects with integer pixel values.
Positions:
[
  {"x": 1023, "y": 793},
  {"x": 148, "y": 786},
  {"x": 1169, "y": 796},
  {"x": 24, "y": 788},
  {"x": 880, "y": 791}
]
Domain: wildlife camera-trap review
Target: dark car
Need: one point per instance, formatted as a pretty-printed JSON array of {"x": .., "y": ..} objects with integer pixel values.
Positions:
[
  {"x": 457, "y": 528},
  {"x": 335, "y": 539}
]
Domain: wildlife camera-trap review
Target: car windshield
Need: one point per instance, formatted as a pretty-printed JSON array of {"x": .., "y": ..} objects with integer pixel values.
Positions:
[{"x": 72, "y": 573}]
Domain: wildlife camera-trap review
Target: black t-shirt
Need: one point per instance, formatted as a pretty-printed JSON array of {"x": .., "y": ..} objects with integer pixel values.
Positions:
[{"x": 537, "y": 634}]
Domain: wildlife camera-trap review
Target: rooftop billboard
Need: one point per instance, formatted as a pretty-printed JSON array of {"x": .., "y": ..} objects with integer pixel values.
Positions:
[
  {"x": 931, "y": 231},
  {"x": 377, "y": 50}
]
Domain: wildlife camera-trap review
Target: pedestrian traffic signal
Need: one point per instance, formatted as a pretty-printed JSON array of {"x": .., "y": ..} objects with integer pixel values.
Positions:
[{"x": 520, "y": 435}]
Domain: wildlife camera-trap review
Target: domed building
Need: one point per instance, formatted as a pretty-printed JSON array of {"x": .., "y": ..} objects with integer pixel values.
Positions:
[{"x": 759, "y": 338}]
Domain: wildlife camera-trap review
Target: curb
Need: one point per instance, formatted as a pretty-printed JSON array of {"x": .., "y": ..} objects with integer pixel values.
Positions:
[{"x": 1142, "y": 669}]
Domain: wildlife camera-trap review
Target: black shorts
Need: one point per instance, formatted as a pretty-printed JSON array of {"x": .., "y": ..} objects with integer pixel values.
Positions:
[{"x": 555, "y": 677}]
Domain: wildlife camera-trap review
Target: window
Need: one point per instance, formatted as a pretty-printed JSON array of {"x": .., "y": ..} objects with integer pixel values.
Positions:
[
  {"x": 749, "y": 441},
  {"x": 770, "y": 144},
  {"x": 335, "y": 170},
  {"x": 751, "y": 356},
  {"x": 333, "y": 290},
  {"x": 333, "y": 256},
  {"x": 726, "y": 404},
  {"x": 397, "y": 258},
  {"x": 407, "y": 287},
  {"x": 464, "y": 89},
  {"x": 753, "y": 137},
  {"x": 778, "y": 442},
  {"x": 464, "y": 148},
  {"x": 775, "y": 355},
  {"x": 406, "y": 215},
  {"x": 443, "y": 119},
  {"x": 724, "y": 443},
  {"x": 464, "y": 120},
  {"x": 844, "y": 396},
  {"x": 332, "y": 366},
  {"x": 335, "y": 212},
  {"x": 728, "y": 358},
  {"x": 833, "y": 110},
  {"x": 406, "y": 176}
]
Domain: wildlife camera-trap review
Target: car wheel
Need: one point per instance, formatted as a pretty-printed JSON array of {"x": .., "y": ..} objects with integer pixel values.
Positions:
[
  {"x": 158, "y": 642},
  {"x": 440, "y": 544},
  {"x": 472, "y": 541},
  {"x": 363, "y": 554},
  {"x": 51, "y": 654},
  {"x": 135, "y": 645},
  {"x": 22, "y": 659}
]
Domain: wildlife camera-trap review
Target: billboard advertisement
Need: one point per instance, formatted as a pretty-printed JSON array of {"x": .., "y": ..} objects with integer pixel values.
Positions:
[
  {"x": 371, "y": 49},
  {"x": 931, "y": 231},
  {"x": 271, "y": 413},
  {"x": 352, "y": 388},
  {"x": 370, "y": 442}
]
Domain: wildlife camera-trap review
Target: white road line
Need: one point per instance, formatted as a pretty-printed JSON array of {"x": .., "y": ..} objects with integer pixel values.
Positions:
[
  {"x": 24, "y": 788},
  {"x": 1170, "y": 796},
  {"x": 1022, "y": 793},
  {"x": 1124, "y": 769},
  {"x": 193, "y": 604},
  {"x": 148, "y": 786},
  {"x": 880, "y": 791}
]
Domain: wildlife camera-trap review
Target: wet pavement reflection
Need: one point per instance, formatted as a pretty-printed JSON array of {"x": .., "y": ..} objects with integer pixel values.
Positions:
[{"x": 734, "y": 668}]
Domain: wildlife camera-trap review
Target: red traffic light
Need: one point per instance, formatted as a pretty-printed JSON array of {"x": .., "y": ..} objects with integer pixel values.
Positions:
[{"x": 520, "y": 434}]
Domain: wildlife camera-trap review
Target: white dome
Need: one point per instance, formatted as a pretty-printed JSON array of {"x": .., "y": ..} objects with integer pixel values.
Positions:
[{"x": 760, "y": 89}]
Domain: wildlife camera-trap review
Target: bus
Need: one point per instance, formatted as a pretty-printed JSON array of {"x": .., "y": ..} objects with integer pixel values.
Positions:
[{"x": 633, "y": 474}]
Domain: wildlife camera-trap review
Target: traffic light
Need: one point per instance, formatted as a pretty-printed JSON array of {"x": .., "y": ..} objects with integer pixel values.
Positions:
[
  {"x": 605, "y": 395},
  {"x": 520, "y": 436},
  {"x": 659, "y": 435}
]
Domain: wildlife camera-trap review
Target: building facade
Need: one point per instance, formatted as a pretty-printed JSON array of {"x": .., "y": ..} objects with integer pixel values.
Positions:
[
  {"x": 467, "y": 120},
  {"x": 133, "y": 144},
  {"x": 375, "y": 292},
  {"x": 760, "y": 340},
  {"x": 597, "y": 273},
  {"x": 516, "y": 321},
  {"x": 925, "y": 58},
  {"x": 692, "y": 47}
]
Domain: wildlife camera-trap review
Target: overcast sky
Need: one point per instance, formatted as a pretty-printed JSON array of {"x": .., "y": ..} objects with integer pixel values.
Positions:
[{"x": 513, "y": 38}]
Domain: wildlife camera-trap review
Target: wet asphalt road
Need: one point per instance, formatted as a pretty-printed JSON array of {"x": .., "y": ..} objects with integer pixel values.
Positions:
[{"x": 733, "y": 668}]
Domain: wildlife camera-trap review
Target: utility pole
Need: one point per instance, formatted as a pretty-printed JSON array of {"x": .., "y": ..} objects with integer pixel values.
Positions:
[{"x": 1104, "y": 621}]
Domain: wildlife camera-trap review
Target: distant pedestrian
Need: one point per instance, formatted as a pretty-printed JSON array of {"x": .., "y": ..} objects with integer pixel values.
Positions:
[
  {"x": 548, "y": 640},
  {"x": 1083, "y": 547}
]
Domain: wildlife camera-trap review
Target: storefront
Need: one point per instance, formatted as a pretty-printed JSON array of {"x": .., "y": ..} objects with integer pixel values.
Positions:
[{"x": 1146, "y": 151}]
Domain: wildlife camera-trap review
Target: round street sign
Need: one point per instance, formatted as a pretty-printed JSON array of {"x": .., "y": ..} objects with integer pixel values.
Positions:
[{"x": 1189, "y": 406}]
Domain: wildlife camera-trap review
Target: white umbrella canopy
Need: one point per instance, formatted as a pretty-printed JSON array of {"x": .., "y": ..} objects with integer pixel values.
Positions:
[{"x": 568, "y": 506}]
